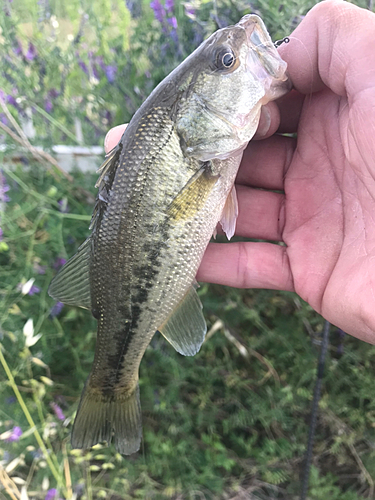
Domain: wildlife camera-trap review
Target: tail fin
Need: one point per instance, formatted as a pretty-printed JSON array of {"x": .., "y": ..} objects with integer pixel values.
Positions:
[{"x": 98, "y": 416}]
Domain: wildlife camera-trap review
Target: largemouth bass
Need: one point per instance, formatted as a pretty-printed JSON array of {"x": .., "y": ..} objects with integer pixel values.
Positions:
[{"x": 162, "y": 191}]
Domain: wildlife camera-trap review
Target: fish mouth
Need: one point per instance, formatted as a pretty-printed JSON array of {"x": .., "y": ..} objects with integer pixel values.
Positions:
[
  {"x": 279, "y": 88},
  {"x": 263, "y": 48}
]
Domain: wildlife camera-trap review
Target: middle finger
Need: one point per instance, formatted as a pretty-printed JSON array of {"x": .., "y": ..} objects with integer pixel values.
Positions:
[
  {"x": 265, "y": 163},
  {"x": 261, "y": 214}
]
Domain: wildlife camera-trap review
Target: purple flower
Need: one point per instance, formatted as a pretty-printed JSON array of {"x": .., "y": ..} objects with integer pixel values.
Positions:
[
  {"x": 53, "y": 93},
  {"x": 110, "y": 72},
  {"x": 83, "y": 66},
  {"x": 169, "y": 5},
  {"x": 18, "y": 49},
  {"x": 31, "y": 52},
  {"x": 57, "y": 411},
  {"x": 95, "y": 71},
  {"x": 56, "y": 309},
  {"x": 4, "y": 188},
  {"x": 48, "y": 106},
  {"x": 51, "y": 494},
  {"x": 63, "y": 204},
  {"x": 11, "y": 100},
  {"x": 33, "y": 290},
  {"x": 158, "y": 9},
  {"x": 15, "y": 435},
  {"x": 172, "y": 21},
  {"x": 59, "y": 262},
  {"x": 190, "y": 12},
  {"x": 3, "y": 119},
  {"x": 100, "y": 61},
  {"x": 1, "y": 234}
]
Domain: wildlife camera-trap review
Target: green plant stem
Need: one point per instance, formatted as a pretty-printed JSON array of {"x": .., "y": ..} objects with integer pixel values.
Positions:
[
  {"x": 30, "y": 420},
  {"x": 88, "y": 481},
  {"x": 39, "y": 407},
  {"x": 56, "y": 123}
]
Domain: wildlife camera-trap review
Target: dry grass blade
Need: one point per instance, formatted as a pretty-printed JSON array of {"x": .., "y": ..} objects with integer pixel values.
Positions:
[
  {"x": 364, "y": 471},
  {"x": 214, "y": 328},
  {"x": 9, "y": 485},
  {"x": 38, "y": 154},
  {"x": 245, "y": 352},
  {"x": 68, "y": 479}
]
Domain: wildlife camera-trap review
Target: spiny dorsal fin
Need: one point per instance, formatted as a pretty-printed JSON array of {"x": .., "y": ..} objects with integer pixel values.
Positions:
[
  {"x": 71, "y": 285},
  {"x": 186, "y": 327},
  {"x": 104, "y": 183}
]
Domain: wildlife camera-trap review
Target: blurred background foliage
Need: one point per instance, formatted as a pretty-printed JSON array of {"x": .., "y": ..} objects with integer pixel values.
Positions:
[{"x": 232, "y": 421}]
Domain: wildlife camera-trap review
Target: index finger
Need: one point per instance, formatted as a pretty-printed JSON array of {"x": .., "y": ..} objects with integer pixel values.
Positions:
[
  {"x": 331, "y": 47},
  {"x": 113, "y": 137}
]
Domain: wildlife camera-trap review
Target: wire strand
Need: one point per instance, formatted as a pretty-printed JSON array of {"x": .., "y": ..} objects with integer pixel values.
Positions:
[{"x": 314, "y": 411}]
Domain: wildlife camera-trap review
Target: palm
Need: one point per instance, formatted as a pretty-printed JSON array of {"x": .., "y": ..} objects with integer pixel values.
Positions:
[{"x": 329, "y": 225}]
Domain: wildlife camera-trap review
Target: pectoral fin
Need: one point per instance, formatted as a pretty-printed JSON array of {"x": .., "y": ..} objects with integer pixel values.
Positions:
[
  {"x": 230, "y": 214},
  {"x": 186, "y": 327},
  {"x": 193, "y": 196},
  {"x": 71, "y": 285}
]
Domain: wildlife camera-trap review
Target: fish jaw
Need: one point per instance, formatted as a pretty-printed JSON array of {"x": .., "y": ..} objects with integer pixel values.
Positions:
[{"x": 272, "y": 70}]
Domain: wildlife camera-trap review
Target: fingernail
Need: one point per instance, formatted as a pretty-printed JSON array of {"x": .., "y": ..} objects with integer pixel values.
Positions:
[
  {"x": 109, "y": 135},
  {"x": 264, "y": 122}
]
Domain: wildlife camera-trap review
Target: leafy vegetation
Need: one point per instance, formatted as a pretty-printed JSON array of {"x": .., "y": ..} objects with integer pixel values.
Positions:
[{"x": 230, "y": 422}]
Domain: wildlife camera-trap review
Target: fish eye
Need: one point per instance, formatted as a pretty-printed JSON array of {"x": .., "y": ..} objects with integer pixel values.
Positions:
[
  {"x": 228, "y": 60},
  {"x": 225, "y": 59}
]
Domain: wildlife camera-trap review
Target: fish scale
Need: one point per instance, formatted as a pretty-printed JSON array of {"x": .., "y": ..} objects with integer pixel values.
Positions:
[{"x": 162, "y": 191}]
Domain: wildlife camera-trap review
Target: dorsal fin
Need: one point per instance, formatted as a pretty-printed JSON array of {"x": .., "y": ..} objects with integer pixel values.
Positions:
[{"x": 104, "y": 184}]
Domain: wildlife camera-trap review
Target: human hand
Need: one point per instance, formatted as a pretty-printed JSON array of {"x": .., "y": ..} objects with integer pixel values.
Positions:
[{"x": 326, "y": 216}]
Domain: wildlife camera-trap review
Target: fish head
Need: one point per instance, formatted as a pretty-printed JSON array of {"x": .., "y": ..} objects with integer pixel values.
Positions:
[{"x": 233, "y": 73}]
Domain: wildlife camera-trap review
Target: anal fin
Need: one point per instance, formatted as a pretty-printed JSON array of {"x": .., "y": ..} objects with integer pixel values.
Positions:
[{"x": 186, "y": 327}]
